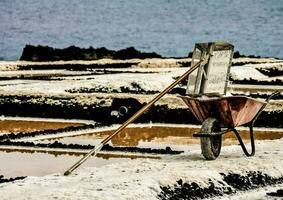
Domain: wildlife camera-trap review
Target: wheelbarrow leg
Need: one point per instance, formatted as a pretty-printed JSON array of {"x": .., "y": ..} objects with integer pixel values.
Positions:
[
  {"x": 251, "y": 124},
  {"x": 242, "y": 143}
]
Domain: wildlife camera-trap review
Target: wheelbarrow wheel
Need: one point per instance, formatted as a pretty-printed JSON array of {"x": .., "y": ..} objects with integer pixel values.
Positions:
[{"x": 210, "y": 146}]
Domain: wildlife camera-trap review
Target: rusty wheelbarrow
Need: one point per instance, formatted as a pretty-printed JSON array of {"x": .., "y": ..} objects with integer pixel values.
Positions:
[{"x": 220, "y": 115}]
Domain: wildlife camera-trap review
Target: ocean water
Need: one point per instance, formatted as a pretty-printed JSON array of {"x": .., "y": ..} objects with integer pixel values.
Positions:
[{"x": 170, "y": 28}]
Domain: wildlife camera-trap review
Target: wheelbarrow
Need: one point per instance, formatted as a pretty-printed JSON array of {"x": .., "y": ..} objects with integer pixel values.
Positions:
[{"x": 220, "y": 115}]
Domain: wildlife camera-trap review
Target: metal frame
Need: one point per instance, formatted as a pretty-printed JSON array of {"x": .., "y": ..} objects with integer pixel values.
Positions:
[
  {"x": 237, "y": 135},
  {"x": 242, "y": 143},
  {"x": 250, "y": 125}
]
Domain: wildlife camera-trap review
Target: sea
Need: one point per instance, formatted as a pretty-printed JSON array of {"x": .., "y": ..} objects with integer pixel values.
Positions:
[{"x": 168, "y": 27}]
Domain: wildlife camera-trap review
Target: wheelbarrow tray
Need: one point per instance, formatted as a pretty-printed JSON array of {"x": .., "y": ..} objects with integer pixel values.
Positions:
[{"x": 231, "y": 111}]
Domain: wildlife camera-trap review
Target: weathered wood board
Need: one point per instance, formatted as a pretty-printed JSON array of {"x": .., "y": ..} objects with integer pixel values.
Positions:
[{"x": 211, "y": 77}]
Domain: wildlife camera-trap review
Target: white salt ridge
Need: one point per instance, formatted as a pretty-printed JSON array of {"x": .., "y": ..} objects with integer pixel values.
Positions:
[
  {"x": 251, "y": 71},
  {"x": 245, "y": 72},
  {"x": 147, "y": 82},
  {"x": 141, "y": 63},
  {"x": 256, "y": 60},
  {"x": 34, "y": 73},
  {"x": 141, "y": 179},
  {"x": 47, "y": 119},
  {"x": 156, "y": 81},
  {"x": 138, "y": 63}
]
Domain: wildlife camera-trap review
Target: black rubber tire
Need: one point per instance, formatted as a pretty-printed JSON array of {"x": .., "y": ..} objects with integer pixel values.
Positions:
[{"x": 210, "y": 146}]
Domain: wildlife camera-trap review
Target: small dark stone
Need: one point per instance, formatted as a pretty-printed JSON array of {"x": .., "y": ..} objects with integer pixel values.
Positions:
[
  {"x": 168, "y": 149},
  {"x": 278, "y": 193},
  {"x": 3, "y": 180},
  {"x": 194, "y": 185},
  {"x": 180, "y": 182}
]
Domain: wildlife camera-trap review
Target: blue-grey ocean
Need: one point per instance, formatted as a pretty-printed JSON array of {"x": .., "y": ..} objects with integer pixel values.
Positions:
[{"x": 169, "y": 28}]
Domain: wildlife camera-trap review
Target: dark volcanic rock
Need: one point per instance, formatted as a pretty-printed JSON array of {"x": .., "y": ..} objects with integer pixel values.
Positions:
[
  {"x": 134, "y": 89},
  {"x": 76, "y": 67},
  {"x": 261, "y": 95},
  {"x": 278, "y": 193},
  {"x": 271, "y": 72},
  {"x": 29, "y": 106},
  {"x": 106, "y": 147},
  {"x": 252, "y": 81},
  {"x": 231, "y": 183},
  {"x": 184, "y": 190},
  {"x": 238, "y": 55},
  {"x": 45, "y": 132},
  {"x": 4, "y": 180},
  {"x": 235, "y": 55},
  {"x": 131, "y": 52},
  {"x": 252, "y": 179},
  {"x": 45, "y": 53}
]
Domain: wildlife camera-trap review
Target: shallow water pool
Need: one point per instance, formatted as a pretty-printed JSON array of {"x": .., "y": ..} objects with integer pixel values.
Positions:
[
  {"x": 31, "y": 162},
  {"x": 16, "y": 125},
  {"x": 27, "y": 161},
  {"x": 177, "y": 137}
]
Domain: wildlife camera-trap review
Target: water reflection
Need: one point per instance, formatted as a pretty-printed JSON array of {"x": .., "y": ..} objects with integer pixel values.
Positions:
[
  {"x": 7, "y": 126},
  {"x": 31, "y": 162},
  {"x": 104, "y": 155},
  {"x": 156, "y": 136}
]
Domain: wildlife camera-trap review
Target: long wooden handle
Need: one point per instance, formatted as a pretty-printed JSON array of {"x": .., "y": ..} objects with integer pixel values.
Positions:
[{"x": 95, "y": 150}]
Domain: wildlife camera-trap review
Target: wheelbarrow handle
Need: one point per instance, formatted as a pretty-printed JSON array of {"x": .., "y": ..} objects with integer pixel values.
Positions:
[
  {"x": 97, "y": 148},
  {"x": 274, "y": 94}
]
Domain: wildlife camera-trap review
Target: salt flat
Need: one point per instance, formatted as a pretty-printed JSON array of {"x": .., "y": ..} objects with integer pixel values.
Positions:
[{"x": 141, "y": 179}]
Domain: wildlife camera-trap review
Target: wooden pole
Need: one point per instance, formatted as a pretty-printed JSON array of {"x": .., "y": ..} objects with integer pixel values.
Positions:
[{"x": 95, "y": 150}]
